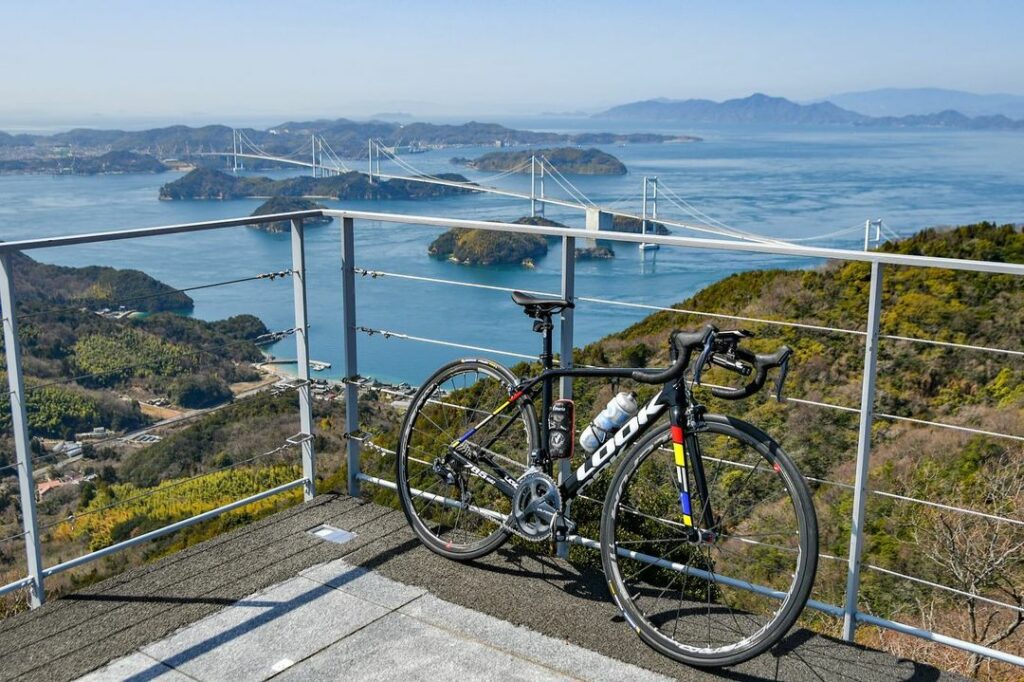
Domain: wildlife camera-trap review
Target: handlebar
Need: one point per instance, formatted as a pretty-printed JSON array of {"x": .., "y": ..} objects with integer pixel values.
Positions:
[
  {"x": 721, "y": 349},
  {"x": 681, "y": 347},
  {"x": 759, "y": 363}
]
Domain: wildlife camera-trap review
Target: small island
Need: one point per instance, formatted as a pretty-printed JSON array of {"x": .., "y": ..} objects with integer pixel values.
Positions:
[
  {"x": 566, "y": 159},
  {"x": 484, "y": 247},
  {"x": 288, "y": 205},
  {"x": 206, "y": 183}
]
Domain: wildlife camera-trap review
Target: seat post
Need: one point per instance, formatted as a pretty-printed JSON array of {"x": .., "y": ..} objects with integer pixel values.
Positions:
[{"x": 543, "y": 325}]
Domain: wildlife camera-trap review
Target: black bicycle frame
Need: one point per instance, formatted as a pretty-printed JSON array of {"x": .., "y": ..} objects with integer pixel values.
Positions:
[{"x": 673, "y": 396}]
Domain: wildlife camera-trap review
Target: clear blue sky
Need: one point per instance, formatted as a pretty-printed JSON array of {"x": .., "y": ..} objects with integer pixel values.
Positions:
[{"x": 437, "y": 57}]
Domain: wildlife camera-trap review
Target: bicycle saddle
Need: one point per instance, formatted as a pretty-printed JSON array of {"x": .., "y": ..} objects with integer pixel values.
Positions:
[{"x": 536, "y": 305}]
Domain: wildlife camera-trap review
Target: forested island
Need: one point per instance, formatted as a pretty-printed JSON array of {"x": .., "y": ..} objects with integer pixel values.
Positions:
[
  {"x": 206, "y": 183},
  {"x": 289, "y": 205},
  {"x": 622, "y": 223},
  {"x": 110, "y": 163},
  {"x": 574, "y": 160},
  {"x": 486, "y": 247}
]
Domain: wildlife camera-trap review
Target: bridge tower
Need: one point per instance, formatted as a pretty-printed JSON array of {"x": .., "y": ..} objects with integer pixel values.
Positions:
[
  {"x": 236, "y": 142},
  {"x": 536, "y": 205},
  {"x": 312, "y": 146},
  {"x": 373, "y": 152},
  {"x": 868, "y": 224},
  {"x": 652, "y": 185}
]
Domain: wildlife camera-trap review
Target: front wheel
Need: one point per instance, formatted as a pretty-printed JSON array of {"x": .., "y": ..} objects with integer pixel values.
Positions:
[{"x": 710, "y": 596}]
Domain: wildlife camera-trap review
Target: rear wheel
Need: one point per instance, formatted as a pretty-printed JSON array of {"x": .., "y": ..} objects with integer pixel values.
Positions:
[
  {"x": 453, "y": 511},
  {"x": 727, "y": 597}
]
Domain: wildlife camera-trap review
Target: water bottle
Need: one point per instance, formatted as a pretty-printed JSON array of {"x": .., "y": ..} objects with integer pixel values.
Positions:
[{"x": 618, "y": 411}]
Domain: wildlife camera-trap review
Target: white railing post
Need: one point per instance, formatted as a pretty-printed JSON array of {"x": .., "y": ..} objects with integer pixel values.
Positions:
[
  {"x": 348, "y": 310},
  {"x": 867, "y": 408},
  {"x": 302, "y": 358},
  {"x": 565, "y": 350},
  {"x": 19, "y": 424}
]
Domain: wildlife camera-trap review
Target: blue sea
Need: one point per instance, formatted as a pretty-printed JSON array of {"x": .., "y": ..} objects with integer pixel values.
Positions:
[{"x": 783, "y": 183}]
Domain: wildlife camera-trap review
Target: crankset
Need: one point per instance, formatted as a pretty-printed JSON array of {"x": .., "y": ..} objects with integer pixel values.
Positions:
[{"x": 535, "y": 506}]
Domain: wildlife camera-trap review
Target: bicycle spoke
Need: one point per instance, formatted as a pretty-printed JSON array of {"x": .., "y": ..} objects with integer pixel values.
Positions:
[
  {"x": 720, "y": 579},
  {"x": 460, "y": 512}
]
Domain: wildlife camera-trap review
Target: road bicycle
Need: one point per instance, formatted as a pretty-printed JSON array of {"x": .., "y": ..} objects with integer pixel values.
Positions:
[{"x": 708, "y": 537}]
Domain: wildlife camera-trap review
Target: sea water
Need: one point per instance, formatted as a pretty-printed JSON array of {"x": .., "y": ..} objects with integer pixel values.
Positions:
[{"x": 783, "y": 183}]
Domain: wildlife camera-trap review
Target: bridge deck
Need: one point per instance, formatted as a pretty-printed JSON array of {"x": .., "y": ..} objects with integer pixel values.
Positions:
[{"x": 378, "y": 606}]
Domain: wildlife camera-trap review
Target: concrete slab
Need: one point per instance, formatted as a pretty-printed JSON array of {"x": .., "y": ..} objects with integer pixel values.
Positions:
[
  {"x": 139, "y": 668},
  {"x": 524, "y": 643},
  {"x": 401, "y": 648},
  {"x": 359, "y": 582},
  {"x": 250, "y": 639}
]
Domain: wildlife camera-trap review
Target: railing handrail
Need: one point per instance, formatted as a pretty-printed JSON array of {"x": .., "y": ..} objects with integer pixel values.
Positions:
[
  {"x": 694, "y": 242},
  {"x": 114, "y": 235},
  {"x": 781, "y": 249}
]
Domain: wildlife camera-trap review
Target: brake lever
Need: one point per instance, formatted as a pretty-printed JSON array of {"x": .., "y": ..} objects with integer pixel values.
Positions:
[
  {"x": 702, "y": 359},
  {"x": 781, "y": 379}
]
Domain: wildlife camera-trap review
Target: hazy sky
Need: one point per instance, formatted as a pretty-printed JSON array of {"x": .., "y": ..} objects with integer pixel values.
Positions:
[{"x": 191, "y": 59}]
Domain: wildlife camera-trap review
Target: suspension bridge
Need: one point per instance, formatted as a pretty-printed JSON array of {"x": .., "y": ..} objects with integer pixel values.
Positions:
[{"x": 317, "y": 155}]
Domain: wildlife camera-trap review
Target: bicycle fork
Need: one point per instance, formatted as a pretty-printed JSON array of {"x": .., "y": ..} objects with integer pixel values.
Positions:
[{"x": 686, "y": 454}]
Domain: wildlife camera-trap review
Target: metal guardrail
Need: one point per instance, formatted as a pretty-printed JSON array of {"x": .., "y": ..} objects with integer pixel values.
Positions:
[
  {"x": 34, "y": 582},
  {"x": 848, "y": 611}
]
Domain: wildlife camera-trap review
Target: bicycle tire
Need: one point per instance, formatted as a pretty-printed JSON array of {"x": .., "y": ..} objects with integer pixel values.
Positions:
[
  {"x": 728, "y": 604},
  {"x": 471, "y": 389}
]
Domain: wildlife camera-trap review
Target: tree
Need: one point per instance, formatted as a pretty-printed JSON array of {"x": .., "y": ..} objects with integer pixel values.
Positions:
[{"x": 983, "y": 561}]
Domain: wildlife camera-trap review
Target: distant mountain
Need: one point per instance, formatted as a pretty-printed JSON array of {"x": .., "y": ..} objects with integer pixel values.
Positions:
[
  {"x": 758, "y": 108},
  {"x": 917, "y": 101}
]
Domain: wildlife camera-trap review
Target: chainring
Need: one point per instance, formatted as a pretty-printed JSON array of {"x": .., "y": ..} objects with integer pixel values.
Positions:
[{"x": 535, "y": 505}]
